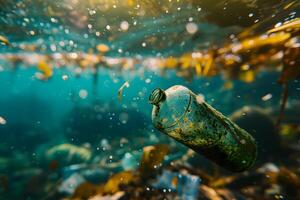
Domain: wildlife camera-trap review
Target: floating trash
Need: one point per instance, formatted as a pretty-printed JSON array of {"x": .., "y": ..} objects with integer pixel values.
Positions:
[
  {"x": 67, "y": 132},
  {"x": 186, "y": 185},
  {"x": 2, "y": 121},
  {"x": 71, "y": 183},
  {"x": 178, "y": 113},
  {"x": 120, "y": 91}
]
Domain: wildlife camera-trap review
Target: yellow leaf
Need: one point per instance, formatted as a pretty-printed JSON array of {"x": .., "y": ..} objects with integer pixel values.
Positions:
[
  {"x": 102, "y": 48},
  {"x": 247, "y": 76},
  {"x": 153, "y": 157},
  {"x": 185, "y": 61},
  {"x": 208, "y": 65},
  {"x": 116, "y": 180},
  {"x": 288, "y": 26},
  {"x": 170, "y": 62},
  {"x": 263, "y": 40},
  {"x": 45, "y": 69},
  {"x": 86, "y": 190},
  {"x": 4, "y": 40},
  {"x": 198, "y": 69}
]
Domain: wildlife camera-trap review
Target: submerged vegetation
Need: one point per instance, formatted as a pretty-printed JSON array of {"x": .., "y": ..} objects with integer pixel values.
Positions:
[{"x": 75, "y": 78}]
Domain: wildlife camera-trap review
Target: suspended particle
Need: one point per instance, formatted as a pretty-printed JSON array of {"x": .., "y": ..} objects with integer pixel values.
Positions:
[
  {"x": 191, "y": 28},
  {"x": 124, "y": 25},
  {"x": 83, "y": 94},
  {"x": 65, "y": 77},
  {"x": 266, "y": 97},
  {"x": 148, "y": 80},
  {"x": 2, "y": 121}
]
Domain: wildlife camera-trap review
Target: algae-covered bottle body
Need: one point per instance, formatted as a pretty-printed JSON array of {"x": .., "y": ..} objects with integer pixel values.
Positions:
[{"x": 184, "y": 116}]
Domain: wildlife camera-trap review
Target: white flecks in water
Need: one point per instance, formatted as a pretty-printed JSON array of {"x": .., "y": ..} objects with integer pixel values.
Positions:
[
  {"x": 124, "y": 25},
  {"x": 148, "y": 80},
  {"x": 83, "y": 93},
  {"x": 191, "y": 28},
  {"x": 53, "y": 20},
  {"x": 92, "y": 12},
  {"x": 107, "y": 27},
  {"x": 266, "y": 97},
  {"x": 65, "y": 77},
  {"x": 53, "y": 47},
  {"x": 144, "y": 44},
  {"x": 250, "y": 15},
  {"x": 2, "y": 121},
  {"x": 278, "y": 24}
]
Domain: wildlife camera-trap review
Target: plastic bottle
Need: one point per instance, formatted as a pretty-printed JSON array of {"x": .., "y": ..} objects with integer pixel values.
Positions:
[{"x": 184, "y": 116}]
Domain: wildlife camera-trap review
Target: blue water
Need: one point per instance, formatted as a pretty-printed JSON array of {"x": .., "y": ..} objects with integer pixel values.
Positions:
[{"x": 87, "y": 112}]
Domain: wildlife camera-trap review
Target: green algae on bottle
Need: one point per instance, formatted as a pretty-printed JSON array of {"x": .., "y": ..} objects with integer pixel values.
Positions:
[{"x": 184, "y": 116}]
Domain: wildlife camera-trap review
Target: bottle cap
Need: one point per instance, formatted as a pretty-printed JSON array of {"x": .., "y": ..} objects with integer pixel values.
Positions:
[{"x": 157, "y": 96}]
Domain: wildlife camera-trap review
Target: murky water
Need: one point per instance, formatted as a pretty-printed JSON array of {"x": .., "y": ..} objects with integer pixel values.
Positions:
[{"x": 75, "y": 80}]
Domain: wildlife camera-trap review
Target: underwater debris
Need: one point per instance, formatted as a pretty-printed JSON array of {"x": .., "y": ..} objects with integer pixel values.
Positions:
[
  {"x": 45, "y": 69},
  {"x": 2, "y": 120},
  {"x": 152, "y": 158},
  {"x": 186, "y": 185},
  {"x": 71, "y": 184},
  {"x": 165, "y": 38},
  {"x": 130, "y": 160},
  {"x": 290, "y": 26},
  {"x": 4, "y": 40},
  {"x": 114, "y": 183},
  {"x": 86, "y": 190},
  {"x": 68, "y": 154},
  {"x": 116, "y": 196},
  {"x": 102, "y": 48},
  {"x": 178, "y": 113},
  {"x": 120, "y": 91}
]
